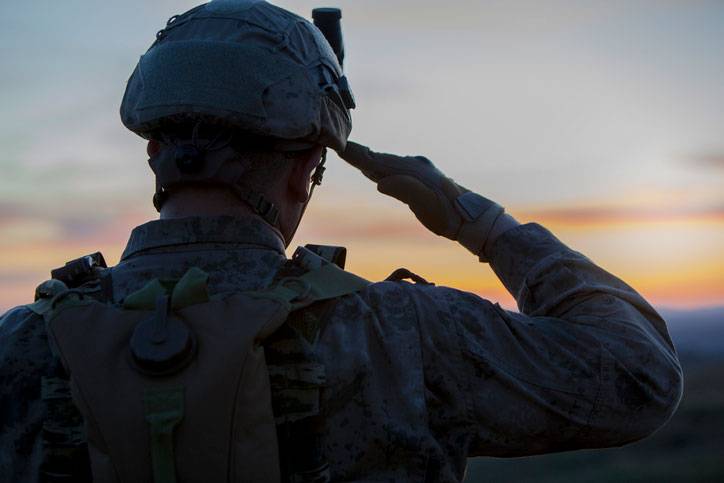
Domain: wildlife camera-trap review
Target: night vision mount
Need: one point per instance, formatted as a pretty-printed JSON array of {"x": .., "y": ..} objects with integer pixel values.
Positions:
[{"x": 329, "y": 22}]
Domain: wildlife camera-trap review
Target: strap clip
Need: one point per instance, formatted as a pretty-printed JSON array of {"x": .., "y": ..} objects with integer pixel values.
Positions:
[{"x": 267, "y": 210}]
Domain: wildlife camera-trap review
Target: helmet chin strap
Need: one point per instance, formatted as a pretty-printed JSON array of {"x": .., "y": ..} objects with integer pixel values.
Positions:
[{"x": 316, "y": 181}]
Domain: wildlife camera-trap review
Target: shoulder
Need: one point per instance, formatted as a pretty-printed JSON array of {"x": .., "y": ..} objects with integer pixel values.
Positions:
[
  {"x": 17, "y": 324},
  {"x": 24, "y": 325},
  {"x": 25, "y": 358},
  {"x": 400, "y": 303},
  {"x": 425, "y": 299},
  {"x": 24, "y": 350}
]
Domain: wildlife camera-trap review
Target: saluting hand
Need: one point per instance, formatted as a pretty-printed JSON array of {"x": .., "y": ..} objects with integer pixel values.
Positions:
[{"x": 415, "y": 181}]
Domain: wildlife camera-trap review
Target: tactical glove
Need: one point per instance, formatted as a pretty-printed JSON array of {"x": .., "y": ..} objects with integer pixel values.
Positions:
[{"x": 443, "y": 206}]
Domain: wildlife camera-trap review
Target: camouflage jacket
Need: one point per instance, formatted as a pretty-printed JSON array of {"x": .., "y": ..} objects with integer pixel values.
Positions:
[{"x": 419, "y": 377}]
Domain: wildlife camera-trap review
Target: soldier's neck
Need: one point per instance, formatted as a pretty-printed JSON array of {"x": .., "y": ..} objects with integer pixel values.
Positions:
[{"x": 203, "y": 201}]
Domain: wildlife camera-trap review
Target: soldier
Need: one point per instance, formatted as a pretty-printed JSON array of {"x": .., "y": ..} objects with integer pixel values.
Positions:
[{"x": 154, "y": 368}]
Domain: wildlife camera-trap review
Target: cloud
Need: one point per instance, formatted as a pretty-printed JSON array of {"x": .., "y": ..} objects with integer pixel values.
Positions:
[
  {"x": 384, "y": 226},
  {"x": 31, "y": 224},
  {"x": 400, "y": 225},
  {"x": 11, "y": 211},
  {"x": 713, "y": 160},
  {"x": 12, "y": 277},
  {"x": 612, "y": 215}
]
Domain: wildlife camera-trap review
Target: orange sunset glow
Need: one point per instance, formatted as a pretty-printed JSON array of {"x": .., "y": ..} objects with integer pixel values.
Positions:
[{"x": 601, "y": 122}]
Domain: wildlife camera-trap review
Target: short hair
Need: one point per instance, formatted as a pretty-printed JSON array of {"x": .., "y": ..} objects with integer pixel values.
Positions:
[
  {"x": 265, "y": 167},
  {"x": 265, "y": 164}
]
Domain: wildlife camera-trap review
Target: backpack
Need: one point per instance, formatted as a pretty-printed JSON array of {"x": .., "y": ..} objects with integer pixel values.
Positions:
[{"x": 174, "y": 381}]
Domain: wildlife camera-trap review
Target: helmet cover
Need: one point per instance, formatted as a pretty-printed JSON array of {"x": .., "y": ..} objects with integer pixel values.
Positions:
[{"x": 244, "y": 64}]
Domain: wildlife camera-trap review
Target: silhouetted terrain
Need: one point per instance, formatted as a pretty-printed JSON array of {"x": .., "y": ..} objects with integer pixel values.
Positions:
[
  {"x": 689, "y": 448},
  {"x": 697, "y": 334}
]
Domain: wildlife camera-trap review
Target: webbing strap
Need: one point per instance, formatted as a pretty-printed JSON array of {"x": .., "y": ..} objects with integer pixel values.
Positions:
[
  {"x": 65, "y": 450},
  {"x": 164, "y": 410},
  {"x": 191, "y": 289},
  {"x": 258, "y": 202},
  {"x": 325, "y": 283}
]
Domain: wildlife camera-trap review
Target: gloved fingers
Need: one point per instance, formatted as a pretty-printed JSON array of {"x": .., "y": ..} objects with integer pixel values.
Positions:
[
  {"x": 371, "y": 164},
  {"x": 415, "y": 181},
  {"x": 379, "y": 165},
  {"x": 429, "y": 206}
]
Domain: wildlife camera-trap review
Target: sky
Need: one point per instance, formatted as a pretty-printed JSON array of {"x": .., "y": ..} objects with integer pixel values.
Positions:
[{"x": 601, "y": 120}]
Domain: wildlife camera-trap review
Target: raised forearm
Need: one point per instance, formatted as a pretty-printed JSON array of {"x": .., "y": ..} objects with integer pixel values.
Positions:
[{"x": 586, "y": 363}]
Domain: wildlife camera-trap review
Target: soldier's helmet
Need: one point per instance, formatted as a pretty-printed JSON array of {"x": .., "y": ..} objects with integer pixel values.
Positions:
[{"x": 246, "y": 65}]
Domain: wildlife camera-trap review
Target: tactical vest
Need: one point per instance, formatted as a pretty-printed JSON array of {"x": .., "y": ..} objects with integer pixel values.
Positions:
[{"x": 177, "y": 382}]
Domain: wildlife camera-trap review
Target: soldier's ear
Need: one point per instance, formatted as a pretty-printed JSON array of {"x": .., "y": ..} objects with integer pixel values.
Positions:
[{"x": 302, "y": 168}]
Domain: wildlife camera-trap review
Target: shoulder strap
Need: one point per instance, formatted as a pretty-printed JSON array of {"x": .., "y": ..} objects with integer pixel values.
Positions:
[
  {"x": 88, "y": 275},
  {"x": 323, "y": 280},
  {"x": 44, "y": 294},
  {"x": 311, "y": 283},
  {"x": 64, "y": 447},
  {"x": 64, "y": 453}
]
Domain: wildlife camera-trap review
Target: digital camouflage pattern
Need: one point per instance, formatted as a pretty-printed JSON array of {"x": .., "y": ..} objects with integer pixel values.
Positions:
[
  {"x": 418, "y": 377},
  {"x": 199, "y": 68}
]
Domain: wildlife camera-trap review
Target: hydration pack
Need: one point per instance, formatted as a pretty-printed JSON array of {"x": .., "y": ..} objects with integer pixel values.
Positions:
[{"x": 177, "y": 382}]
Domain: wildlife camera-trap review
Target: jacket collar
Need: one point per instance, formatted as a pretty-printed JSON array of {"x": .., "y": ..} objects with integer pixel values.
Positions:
[{"x": 246, "y": 230}]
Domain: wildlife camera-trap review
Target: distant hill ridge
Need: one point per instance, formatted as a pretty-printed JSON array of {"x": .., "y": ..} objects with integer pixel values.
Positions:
[{"x": 697, "y": 332}]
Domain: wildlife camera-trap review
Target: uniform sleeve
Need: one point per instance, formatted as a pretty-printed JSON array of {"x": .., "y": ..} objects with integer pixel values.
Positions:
[
  {"x": 586, "y": 363},
  {"x": 24, "y": 358}
]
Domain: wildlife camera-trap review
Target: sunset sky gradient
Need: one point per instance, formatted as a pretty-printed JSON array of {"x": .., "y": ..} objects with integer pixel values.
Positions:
[{"x": 601, "y": 120}]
